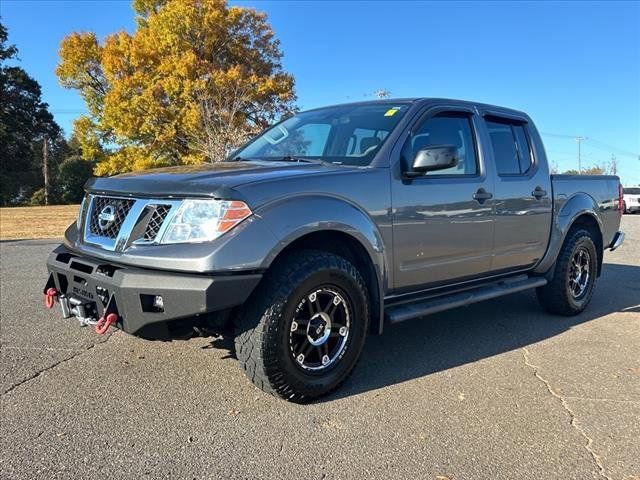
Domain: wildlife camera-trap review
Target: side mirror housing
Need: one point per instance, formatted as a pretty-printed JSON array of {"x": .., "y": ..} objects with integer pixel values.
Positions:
[{"x": 433, "y": 158}]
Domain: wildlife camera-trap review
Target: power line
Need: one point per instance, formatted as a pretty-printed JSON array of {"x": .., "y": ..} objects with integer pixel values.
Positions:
[
  {"x": 557, "y": 135},
  {"x": 609, "y": 148},
  {"x": 67, "y": 111},
  {"x": 595, "y": 144}
]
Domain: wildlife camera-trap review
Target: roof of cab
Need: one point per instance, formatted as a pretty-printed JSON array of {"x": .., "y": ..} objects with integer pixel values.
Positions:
[{"x": 433, "y": 100}]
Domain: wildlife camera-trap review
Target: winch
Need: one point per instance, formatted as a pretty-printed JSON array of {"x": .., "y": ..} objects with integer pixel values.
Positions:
[{"x": 84, "y": 311}]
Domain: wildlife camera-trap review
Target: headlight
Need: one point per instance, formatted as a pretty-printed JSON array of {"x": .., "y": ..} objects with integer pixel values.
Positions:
[{"x": 204, "y": 220}]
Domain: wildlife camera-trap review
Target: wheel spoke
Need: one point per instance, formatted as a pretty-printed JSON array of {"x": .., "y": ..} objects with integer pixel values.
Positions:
[
  {"x": 331, "y": 306},
  {"x": 331, "y": 310},
  {"x": 306, "y": 350},
  {"x": 318, "y": 340}
]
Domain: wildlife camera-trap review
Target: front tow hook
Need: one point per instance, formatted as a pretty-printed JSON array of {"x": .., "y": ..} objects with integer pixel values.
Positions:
[
  {"x": 50, "y": 297},
  {"x": 105, "y": 322}
]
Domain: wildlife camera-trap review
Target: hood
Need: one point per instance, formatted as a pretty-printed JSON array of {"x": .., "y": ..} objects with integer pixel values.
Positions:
[{"x": 210, "y": 180}]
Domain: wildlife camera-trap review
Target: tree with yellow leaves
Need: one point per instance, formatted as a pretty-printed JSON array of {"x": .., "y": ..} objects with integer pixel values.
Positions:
[{"x": 196, "y": 78}]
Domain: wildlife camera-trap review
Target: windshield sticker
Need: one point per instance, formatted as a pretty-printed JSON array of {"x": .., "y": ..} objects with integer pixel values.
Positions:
[{"x": 391, "y": 112}]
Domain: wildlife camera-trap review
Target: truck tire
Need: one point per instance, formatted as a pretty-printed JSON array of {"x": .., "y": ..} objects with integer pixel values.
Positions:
[
  {"x": 570, "y": 290},
  {"x": 301, "y": 332}
]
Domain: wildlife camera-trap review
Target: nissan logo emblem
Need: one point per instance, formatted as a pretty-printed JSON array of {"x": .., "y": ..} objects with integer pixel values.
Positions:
[{"x": 106, "y": 217}]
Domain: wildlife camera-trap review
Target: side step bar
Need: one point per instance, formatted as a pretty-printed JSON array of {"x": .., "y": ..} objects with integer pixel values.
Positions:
[{"x": 420, "y": 308}]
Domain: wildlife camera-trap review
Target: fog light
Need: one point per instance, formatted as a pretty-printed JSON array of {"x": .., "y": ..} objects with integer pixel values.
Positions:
[{"x": 158, "y": 303}]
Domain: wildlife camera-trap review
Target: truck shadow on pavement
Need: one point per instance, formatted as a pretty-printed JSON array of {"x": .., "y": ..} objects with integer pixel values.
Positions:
[
  {"x": 438, "y": 342},
  {"x": 464, "y": 335}
]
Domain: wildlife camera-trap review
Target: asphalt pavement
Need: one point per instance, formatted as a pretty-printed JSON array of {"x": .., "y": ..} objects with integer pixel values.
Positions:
[{"x": 497, "y": 390}]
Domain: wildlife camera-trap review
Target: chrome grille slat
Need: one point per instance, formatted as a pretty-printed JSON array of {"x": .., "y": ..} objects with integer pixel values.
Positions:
[
  {"x": 155, "y": 222},
  {"x": 121, "y": 207},
  {"x": 126, "y": 229}
]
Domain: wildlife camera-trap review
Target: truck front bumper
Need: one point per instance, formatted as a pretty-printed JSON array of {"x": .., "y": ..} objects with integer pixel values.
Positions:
[{"x": 89, "y": 288}]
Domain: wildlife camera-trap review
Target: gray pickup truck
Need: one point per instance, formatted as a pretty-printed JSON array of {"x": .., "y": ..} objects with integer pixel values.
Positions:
[{"x": 334, "y": 223}]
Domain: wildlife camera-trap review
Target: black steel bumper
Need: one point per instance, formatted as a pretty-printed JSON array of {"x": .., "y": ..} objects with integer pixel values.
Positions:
[{"x": 103, "y": 287}]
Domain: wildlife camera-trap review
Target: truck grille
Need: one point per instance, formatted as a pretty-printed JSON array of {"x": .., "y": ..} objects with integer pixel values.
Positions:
[
  {"x": 155, "y": 222},
  {"x": 107, "y": 215},
  {"x": 116, "y": 223}
]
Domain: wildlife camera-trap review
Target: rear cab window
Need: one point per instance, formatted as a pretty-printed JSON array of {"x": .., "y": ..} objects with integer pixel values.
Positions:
[{"x": 510, "y": 145}]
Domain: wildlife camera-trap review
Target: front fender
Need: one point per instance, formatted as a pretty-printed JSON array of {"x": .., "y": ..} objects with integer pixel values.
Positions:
[
  {"x": 566, "y": 213},
  {"x": 293, "y": 217},
  {"x": 296, "y": 216}
]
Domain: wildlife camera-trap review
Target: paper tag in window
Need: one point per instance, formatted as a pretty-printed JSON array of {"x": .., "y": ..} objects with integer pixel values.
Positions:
[{"x": 391, "y": 112}]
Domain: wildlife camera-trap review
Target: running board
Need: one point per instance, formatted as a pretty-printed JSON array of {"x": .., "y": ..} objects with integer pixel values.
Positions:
[{"x": 420, "y": 308}]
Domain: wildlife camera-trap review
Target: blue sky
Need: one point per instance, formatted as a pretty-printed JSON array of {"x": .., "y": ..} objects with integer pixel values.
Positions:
[{"x": 574, "y": 67}]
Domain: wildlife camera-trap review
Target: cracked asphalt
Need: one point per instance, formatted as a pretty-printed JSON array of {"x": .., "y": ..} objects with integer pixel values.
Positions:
[{"x": 495, "y": 390}]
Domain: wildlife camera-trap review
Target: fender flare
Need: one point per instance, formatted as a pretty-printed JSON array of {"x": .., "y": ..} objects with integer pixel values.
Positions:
[
  {"x": 293, "y": 217},
  {"x": 573, "y": 208}
]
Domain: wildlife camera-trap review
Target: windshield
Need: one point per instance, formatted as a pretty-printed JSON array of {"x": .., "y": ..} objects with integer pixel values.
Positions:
[
  {"x": 632, "y": 191},
  {"x": 347, "y": 134}
]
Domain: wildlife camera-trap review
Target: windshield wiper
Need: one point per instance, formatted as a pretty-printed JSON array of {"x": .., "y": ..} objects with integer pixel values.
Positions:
[{"x": 291, "y": 158}]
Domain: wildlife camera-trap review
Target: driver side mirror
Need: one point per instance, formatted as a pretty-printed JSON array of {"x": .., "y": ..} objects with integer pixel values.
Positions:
[{"x": 433, "y": 158}]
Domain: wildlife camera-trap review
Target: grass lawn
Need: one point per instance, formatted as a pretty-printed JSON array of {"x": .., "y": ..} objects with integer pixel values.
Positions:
[{"x": 36, "y": 222}]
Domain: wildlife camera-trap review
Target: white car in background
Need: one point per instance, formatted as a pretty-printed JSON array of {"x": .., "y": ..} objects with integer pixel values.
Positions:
[{"x": 631, "y": 199}]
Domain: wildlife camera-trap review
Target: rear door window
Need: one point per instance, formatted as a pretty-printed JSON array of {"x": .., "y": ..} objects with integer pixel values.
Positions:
[{"x": 511, "y": 148}]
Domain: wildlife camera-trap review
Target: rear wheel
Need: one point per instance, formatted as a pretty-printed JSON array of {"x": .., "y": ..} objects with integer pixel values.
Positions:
[
  {"x": 571, "y": 288},
  {"x": 301, "y": 333}
]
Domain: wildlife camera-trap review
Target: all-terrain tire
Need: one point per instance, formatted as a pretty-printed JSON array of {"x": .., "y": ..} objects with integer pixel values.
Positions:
[
  {"x": 263, "y": 327},
  {"x": 559, "y": 295}
]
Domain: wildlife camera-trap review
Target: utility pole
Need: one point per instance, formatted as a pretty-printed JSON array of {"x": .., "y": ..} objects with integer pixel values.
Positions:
[
  {"x": 579, "y": 140},
  {"x": 614, "y": 165},
  {"x": 45, "y": 169}
]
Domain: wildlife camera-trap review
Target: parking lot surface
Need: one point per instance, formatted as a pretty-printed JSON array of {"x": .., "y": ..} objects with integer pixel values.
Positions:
[{"x": 494, "y": 390}]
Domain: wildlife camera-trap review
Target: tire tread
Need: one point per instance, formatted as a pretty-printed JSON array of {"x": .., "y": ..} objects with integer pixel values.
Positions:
[
  {"x": 553, "y": 296},
  {"x": 256, "y": 340}
]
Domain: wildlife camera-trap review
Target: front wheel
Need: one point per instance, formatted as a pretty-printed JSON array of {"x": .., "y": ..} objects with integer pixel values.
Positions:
[
  {"x": 570, "y": 289},
  {"x": 301, "y": 333}
]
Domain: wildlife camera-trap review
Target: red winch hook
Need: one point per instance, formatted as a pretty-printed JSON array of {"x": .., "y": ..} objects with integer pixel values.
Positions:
[
  {"x": 105, "y": 322},
  {"x": 49, "y": 297}
]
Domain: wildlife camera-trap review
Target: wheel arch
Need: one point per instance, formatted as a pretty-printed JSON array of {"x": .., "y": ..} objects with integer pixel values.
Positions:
[
  {"x": 579, "y": 210},
  {"x": 589, "y": 222},
  {"x": 333, "y": 225}
]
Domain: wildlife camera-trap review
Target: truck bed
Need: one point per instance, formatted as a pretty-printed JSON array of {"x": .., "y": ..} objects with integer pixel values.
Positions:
[{"x": 602, "y": 189}]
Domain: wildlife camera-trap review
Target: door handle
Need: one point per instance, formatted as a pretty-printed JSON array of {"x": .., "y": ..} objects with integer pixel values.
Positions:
[
  {"x": 539, "y": 193},
  {"x": 481, "y": 195}
]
